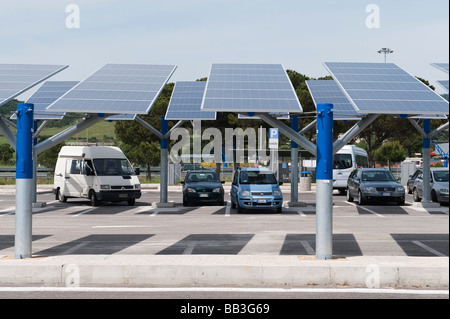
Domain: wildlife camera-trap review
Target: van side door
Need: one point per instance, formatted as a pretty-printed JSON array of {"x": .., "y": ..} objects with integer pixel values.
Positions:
[{"x": 73, "y": 171}]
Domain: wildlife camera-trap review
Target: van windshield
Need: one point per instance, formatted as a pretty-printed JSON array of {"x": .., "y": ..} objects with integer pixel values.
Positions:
[
  {"x": 257, "y": 177},
  {"x": 342, "y": 161},
  {"x": 112, "y": 167}
]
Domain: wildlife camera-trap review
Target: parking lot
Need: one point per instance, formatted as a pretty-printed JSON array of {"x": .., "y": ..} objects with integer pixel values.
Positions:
[{"x": 75, "y": 228}]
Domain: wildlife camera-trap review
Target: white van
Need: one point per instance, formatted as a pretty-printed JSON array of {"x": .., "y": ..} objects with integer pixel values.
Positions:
[
  {"x": 99, "y": 173},
  {"x": 345, "y": 161}
]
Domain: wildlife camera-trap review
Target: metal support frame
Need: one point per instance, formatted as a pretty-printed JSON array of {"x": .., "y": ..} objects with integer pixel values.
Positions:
[
  {"x": 7, "y": 133},
  {"x": 24, "y": 181},
  {"x": 149, "y": 127},
  {"x": 353, "y": 132},
  {"x": 291, "y": 134},
  {"x": 164, "y": 161},
  {"x": 89, "y": 121},
  {"x": 324, "y": 182},
  {"x": 426, "y": 163}
]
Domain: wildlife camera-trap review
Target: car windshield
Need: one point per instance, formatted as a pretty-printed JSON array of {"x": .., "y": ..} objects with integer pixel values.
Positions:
[
  {"x": 257, "y": 177},
  {"x": 377, "y": 176},
  {"x": 342, "y": 161},
  {"x": 441, "y": 176},
  {"x": 113, "y": 167},
  {"x": 210, "y": 177}
]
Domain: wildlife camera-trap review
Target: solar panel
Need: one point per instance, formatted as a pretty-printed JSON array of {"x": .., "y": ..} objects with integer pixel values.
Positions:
[
  {"x": 48, "y": 93},
  {"x": 442, "y": 66},
  {"x": 328, "y": 91},
  {"x": 444, "y": 84},
  {"x": 279, "y": 116},
  {"x": 117, "y": 89},
  {"x": 186, "y": 102},
  {"x": 16, "y": 79},
  {"x": 384, "y": 88},
  {"x": 264, "y": 88},
  {"x": 122, "y": 117}
]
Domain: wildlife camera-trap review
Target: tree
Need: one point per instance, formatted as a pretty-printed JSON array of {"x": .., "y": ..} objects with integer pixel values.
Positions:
[
  {"x": 145, "y": 154},
  {"x": 6, "y": 154},
  {"x": 390, "y": 152}
]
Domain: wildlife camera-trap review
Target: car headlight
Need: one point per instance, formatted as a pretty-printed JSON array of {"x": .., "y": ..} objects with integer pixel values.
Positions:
[
  {"x": 400, "y": 189},
  {"x": 191, "y": 190},
  {"x": 444, "y": 190},
  {"x": 217, "y": 190},
  {"x": 246, "y": 194},
  {"x": 104, "y": 187},
  {"x": 276, "y": 193},
  {"x": 369, "y": 189},
  {"x": 137, "y": 186}
]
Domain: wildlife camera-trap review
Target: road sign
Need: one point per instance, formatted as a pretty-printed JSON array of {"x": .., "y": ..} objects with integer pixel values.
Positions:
[{"x": 274, "y": 138}]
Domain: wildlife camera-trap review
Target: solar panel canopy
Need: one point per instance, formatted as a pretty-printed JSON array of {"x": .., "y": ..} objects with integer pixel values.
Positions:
[
  {"x": 384, "y": 88},
  {"x": 279, "y": 116},
  {"x": 328, "y": 91},
  {"x": 442, "y": 66},
  {"x": 264, "y": 88},
  {"x": 186, "y": 102},
  {"x": 122, "y": 117},
  {"x": 117, "y": 89},
  {"x": 16, "y": 79}
]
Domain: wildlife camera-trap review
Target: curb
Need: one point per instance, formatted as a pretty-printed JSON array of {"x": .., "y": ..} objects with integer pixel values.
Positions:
[{"x": 226, "y": 271}]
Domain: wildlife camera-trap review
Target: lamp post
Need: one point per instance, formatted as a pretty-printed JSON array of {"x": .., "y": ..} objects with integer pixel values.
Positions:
[{"x": 385, "y": 51}]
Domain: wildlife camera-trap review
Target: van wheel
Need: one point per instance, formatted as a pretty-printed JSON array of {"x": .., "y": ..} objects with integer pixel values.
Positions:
[
  {"x": 131, "y": 202},
  {"x": 416, "y": 196},
  {"x": 434, "y": 196},
  {"x": 61, "y": 197},
  {"x": 93, "y": 199}
]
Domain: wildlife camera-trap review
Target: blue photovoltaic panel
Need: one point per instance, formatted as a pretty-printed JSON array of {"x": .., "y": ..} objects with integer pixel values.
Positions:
[
  {"x": 384, "y": 88},
  {"x": 122, "y": 117},
  {"x": 117, "y": 89},
  {"x": 186, "y": 102},
  {"x": 264, "y": 88},
  {"x": 279, "y": 116},
  {"x": 328, "y": 91},
  {"x": 444, "y": 84},
  {"x": 48, "y": 93},
  {"x": 16, "y": 79},
  {"x": 442, "y": 66}
]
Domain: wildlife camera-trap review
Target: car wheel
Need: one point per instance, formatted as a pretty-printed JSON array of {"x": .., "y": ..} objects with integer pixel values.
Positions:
[
  {"x": 360, "y": 198},
  {"x": 240, "y": 210},
  {"x": 93, "y": 199},
  {"x": 61, "y": 197},
  {"x": 401, "y": 202},
  {"x": 349, "y": 197},
  {"x": 410, "y": 190},
  {"x": 416, "y": 196},
  {"x": 185, "y": 202},
  {"x": 434, "y": 196},
  {"x": 233, "y": 205}
]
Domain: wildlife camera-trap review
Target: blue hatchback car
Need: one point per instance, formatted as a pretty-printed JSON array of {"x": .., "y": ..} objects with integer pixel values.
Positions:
[{"x": 255, "y": 189}]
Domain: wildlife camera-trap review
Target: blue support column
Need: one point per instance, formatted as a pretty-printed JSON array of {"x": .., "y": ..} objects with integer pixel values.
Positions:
[
  {"x": 24, "y": 181},
  {"x": 164, "y": 161},
  {"x": 426, "y": 163},
  {"x": 324, "y": 182},
  {"x": 294, "y": 162}
]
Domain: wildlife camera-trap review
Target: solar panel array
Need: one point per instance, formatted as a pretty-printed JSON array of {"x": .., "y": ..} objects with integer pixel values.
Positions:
[
  {"x": 279, "y": 116},
  {"x": 444, "y": 84},
  {"x": 264, "y": 88},
  {"x": 16, "y": 79},
  {"x": 328, "y": 91},
  {"x": 117, "y": 89},
  {"x": 384, "y": 88},
  {"x": 122, "y": 117},
  {"x": 186, "y": 102}
]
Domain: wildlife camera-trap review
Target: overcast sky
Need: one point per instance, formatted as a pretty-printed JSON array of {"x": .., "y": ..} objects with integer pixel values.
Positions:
[{"x": 299, "y": 34}]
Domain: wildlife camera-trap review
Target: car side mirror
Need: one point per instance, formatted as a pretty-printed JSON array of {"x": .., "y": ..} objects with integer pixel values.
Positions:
[
  {"x": 280, "y": 183},
  {"x": 182, "y": 182},
  {"x": 223, "y": 182},
  {"x": 137, "y": 171}
]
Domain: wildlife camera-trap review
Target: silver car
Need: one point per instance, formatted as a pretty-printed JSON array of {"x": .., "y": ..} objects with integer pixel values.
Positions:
[{"x": 439, "y": 186}]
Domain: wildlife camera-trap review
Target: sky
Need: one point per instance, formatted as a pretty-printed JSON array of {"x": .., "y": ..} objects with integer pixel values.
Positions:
[{"x": 193, "y": 34}]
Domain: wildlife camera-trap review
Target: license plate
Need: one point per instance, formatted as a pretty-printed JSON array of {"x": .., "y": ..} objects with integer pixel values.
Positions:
[
  {"x": 262, "y": 201},
  {"x": 123, "y": 195},
  {"x": 204, "y": 195},
  {"x": 386, "y": 194}
]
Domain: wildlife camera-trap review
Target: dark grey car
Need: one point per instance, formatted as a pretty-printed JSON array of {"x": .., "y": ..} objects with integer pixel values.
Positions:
[{"x": 374, "y": 184}]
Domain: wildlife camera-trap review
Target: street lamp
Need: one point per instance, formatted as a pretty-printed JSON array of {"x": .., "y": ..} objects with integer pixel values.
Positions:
[{"x": 385, "y": 51}]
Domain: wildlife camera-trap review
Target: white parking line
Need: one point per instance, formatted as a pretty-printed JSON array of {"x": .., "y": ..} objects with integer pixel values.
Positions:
[
  {"x": 307, "y": 247},
  {"x": 85, "y": 211},
  {"x": 75, "y": 248},
  {"x": 227, "y": 210},
  {"x": 429, "y": 249},
  {"x": 369, "y": 210},
  {"x": 154, "y": 214}
]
